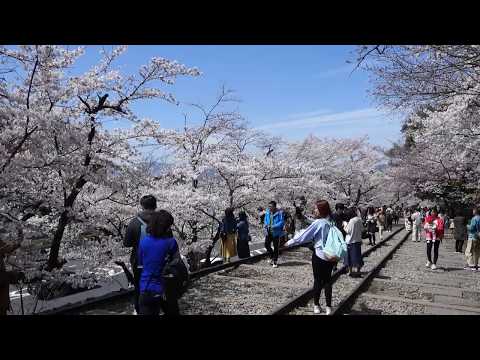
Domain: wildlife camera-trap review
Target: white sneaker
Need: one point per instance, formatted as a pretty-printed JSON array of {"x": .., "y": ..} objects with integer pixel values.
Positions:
[
  {"x": 433, "y": 267},
  {"x": 428, "y": 264},
  {"x": 316, "y": 309},
  {"x": 275, "y": 265},
  {"x": 328, "y": 310}
]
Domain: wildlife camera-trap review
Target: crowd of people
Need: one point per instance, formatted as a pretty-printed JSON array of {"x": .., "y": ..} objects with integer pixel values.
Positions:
[
  {"x": 433, "y": 223},
  {"x": 150, "y": 236},
  {"x": 154, "y": 246}
]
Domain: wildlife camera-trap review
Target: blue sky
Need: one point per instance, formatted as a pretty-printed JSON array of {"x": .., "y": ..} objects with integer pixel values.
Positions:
[{"x": 291, "y": 91}]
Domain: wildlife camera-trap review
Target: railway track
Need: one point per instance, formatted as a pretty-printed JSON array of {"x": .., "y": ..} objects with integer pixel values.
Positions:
[
  {"x": 119, "y": 302},
  {"x": 397, "y": 282},
  {"x": 345, "y": 288},
  {"x": 394, "y": 281},
  {"x": 245, "y": 287}
]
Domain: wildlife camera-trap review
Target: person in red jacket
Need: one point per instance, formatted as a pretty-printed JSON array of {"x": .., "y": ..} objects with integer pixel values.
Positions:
[{"x": 434, "y": 231}]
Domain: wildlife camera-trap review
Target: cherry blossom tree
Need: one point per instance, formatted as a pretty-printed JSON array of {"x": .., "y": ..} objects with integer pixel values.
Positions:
[{"x": 63, "y": 167}]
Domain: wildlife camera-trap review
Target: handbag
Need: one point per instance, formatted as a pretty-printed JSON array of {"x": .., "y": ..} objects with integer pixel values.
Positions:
[{"x": 176, "y": 276}]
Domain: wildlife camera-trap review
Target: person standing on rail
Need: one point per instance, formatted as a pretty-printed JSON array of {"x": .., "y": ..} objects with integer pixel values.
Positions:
[
  {"x": 321, "y": 266},
  {"x": 153, "y": 251},
  {"x": 136, "y": 230},
  {"x": 273, "y": 227},
  {"x": 472, "y": 252},
  {"x": 354, "y": 229}
]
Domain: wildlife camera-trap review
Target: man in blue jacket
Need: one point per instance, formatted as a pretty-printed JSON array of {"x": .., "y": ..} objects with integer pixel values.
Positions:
[{"x": 273, "y": 226}]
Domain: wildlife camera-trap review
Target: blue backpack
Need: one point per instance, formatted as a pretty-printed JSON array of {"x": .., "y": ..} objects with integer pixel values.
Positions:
[{"x": 335, "y": 247}]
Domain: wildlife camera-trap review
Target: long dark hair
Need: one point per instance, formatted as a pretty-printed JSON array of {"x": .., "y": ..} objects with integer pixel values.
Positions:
[
  {"x": 160, "y": 224},
  {"x": 323, "y": 208}
]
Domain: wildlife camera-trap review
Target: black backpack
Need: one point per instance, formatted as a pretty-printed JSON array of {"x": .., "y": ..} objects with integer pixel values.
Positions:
[{"x": 176, "y": 276}]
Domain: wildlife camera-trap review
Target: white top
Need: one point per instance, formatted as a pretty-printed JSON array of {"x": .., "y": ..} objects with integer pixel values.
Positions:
[
  {"x": 415, "y": 215},
  {"x": 354, "y": 230}
]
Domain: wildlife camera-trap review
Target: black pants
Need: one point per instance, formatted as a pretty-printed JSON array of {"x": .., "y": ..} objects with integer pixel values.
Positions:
[
  {"x": 322, "y": 275},
  {"x": 389, "y": 225},
  {"x": 371, "y": 238},
  {"x": 268, "y": 245},
  {"x": 459, "y": 245},
  {"x": 136, "y": 295},
  {"x": 436, "y": 245},
  {"x": 151, "y": 304}
]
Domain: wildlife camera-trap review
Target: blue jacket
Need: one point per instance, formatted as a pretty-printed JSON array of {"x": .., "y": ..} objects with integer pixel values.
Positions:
[
  {"x": 474, "y": 228},
  {"x": 278, "y": 223},
  {"x": 316, "y": 232},
  {"x": 151, "y": 254}
]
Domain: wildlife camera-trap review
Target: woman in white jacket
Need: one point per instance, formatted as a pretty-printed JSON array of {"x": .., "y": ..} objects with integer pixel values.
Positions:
[{"x": 322, "y": 267}]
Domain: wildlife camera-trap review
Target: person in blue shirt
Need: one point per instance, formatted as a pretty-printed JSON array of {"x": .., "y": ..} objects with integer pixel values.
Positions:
[
  {"x": 472, "y": 252},
  {"x": 273, "y": 227},
  {"x": 152, "y": 254},
  {"x": 321, "y": 265}
]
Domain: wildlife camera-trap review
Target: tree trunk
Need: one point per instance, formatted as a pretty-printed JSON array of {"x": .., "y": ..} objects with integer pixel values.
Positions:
[
  {"x": 57, "y": 239},
  {"x": 359, "y": 195},
  {"x": 62, "y": 223},
  {"x": 210, "y": 248},
  {"x": 231, "y": 198}
]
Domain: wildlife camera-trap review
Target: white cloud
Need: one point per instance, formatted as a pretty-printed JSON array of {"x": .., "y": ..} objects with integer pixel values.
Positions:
[
  {"x": 339, "y": 118},
  {"x": 309, "y": 114}
]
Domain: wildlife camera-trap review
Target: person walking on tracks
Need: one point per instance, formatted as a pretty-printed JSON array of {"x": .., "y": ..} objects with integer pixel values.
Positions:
[
  {"x": 354, "y": 230},
  {"x": 381, "y": 222},
  {"x": 416, "y": 218},
  {"x": 321, "y": 265},
  {"x": 228, "y": 234},
  {"x": 371, "y": 225},
  {"x": 388, "y": 219},
  {"x": 472, "y": 252},
  {"x": 273, "y": 226},
  {"x": 460, "y": 233},
  {"x": 243, "y": 238},
  {"x": 136, "y": 231},
  {"x": 154, "y": 250}
]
